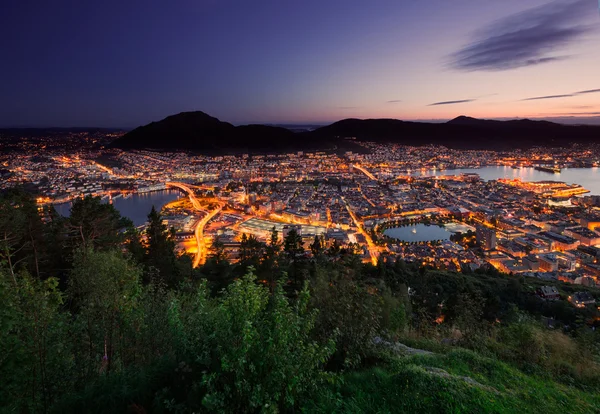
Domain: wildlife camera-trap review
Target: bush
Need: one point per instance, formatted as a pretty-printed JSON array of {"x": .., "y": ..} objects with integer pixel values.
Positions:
[{"x": 257, "y": 349}]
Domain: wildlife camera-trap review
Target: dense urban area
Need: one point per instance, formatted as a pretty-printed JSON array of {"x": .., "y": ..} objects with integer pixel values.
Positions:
[
  {"x": 283, "y": 282},
  {"x": 544, "y": 229}
]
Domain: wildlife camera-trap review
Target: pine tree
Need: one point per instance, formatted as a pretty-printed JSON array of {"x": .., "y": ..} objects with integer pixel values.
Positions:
[
  {"x": 161, "y": 249},
  {"x": 317, "y": 246}
]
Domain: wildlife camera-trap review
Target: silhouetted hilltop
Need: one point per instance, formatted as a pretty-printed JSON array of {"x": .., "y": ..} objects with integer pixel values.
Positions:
[
  {"x": 464, "y": 133},
  {"x": 522, "y": 123},
  {"x": 200, "y": 132}
]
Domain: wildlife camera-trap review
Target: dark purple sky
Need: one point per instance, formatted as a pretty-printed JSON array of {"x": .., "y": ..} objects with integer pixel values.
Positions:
[{"x": 129, "y": 62}]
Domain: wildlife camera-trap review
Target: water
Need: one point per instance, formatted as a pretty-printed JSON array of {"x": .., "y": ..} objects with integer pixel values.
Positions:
[
  {"x": 589, "y": 178},
  {"x": 423, "y": 233},
  {"x": 136, "y": 207}
]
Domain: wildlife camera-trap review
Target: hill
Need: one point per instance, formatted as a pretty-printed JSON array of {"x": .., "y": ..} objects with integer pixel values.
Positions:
[
  {"x": 456, "y": 381},
  {"x": 463, "y": 133},
  {"x": 197, "y": 131}
]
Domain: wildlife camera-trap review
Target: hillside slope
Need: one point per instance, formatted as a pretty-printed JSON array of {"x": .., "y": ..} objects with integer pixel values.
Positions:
[{"x": 460, "y": 381}]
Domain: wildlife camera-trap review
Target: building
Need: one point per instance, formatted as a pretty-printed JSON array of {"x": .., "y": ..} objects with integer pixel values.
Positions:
[
  {"x": 548, "y": 293},
  {"x": 585, "y": 236},
  {"x": 582, "y": 299},
  {"x": 532, "y": 262},
  {"x": 561, "y": 242},
  {"x": 486, "y": 237}
]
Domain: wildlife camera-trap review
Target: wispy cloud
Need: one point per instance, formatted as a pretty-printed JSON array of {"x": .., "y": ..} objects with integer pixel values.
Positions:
[
  {"x": 525, "y": 39},
  {"x": 452, "y": 102},
  {"x": 589, "y": 91},
  {"x": 394, "y": 101},
  {"x": 582, "y": 113},
  {"x": 566, "y": 95},
  {"x": 539, "y": 98}
]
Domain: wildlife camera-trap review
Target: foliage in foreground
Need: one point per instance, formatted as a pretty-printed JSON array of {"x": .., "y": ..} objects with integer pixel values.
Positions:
[
  {"x": 95, "y": 317},
  {"x": 246, "y": 350}
]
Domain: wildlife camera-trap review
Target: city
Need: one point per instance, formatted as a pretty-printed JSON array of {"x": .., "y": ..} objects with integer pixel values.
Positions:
[
  {"x": 544, "y": 229},
  {"x": 316, "y": 207}
]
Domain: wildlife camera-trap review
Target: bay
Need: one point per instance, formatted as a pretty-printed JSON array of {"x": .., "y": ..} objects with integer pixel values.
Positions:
[
  {"x": 136, "y": 207},
  {"x": 589, "y": 178}
]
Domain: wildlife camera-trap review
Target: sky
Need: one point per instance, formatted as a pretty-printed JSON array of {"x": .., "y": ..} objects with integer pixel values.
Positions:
[{"x": 124, "y": 63}]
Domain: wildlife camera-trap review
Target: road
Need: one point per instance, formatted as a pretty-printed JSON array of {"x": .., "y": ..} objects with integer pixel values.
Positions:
[
  {"x": 199, "y": 232},
  {"x": 202, "y": 251},
  {"x": 365, "y": 172},
  {"x": 373, "y": 251}
]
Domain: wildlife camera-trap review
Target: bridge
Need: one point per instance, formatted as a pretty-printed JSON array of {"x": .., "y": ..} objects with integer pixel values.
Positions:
[
  {"x": 202, "y": 251},
  {"x": 364, "y": 171}
]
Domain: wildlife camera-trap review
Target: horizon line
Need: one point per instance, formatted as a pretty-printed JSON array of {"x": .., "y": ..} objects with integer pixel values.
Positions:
[{"x": 555, "y": 119}]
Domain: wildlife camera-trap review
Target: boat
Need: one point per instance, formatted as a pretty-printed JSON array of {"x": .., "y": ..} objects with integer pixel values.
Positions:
[
  {"x": 553, "y": 170},
  {"x": 414, "y": 230}
]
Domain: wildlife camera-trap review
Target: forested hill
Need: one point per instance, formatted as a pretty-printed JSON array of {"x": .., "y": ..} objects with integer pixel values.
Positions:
[
  {"x": 197, "y": 131},
  {"x": 97, "y": 318}
]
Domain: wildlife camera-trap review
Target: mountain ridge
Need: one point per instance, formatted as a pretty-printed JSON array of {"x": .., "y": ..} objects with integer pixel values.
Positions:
[{"x": 198, "y": 131}]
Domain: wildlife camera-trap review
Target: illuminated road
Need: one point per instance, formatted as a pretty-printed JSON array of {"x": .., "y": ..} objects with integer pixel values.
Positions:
[
  {"x": 202, "y": 251},
  {"x": 188, "y": 190},
  {"x": 365, "y": 172},
  {"x": 373, "y": 252}
]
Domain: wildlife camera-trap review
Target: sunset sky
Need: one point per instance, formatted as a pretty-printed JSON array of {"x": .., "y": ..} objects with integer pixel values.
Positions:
[{"x": 124, "y": 63}]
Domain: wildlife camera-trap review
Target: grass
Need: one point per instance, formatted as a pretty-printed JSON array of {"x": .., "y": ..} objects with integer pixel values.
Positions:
[{"x": 460, "y": 381}]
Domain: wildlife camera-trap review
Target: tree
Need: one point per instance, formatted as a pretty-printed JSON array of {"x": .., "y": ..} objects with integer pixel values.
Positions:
[
  {"x": 334, "y": 250},
  {"x": 104, "y": 290},
  {"x": 317, "y": 246},
  {"x": 348, "y": 312},
  {"x": 266, "y": 359},
  {"x": 35, "y": 363},
  {"x": 251, "y": 251},
  {"x": 161, "y": 249},
  {"x": 95, "y": 224},
  {"x": 294, "y": 252},
  {"x": 268, "y": 266},
  {"x": 217, "y": 251},
  {"x": 292, "y": 244},
  {"x": 11, "y": 229},
  {"x": 217, "y": 269},
  {"x": 135, "y": 247},
  {"x": 23, "y": 239}
]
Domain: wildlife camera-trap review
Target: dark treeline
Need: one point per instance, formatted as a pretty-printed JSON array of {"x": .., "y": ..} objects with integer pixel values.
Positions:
[{"x": 96, "y": 317}]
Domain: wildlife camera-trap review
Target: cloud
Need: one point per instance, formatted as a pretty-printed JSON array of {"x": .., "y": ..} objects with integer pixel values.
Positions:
[
  {"x": 539, "y": 98},
  {"x": 582, "y": 113},
  {"x": 524, "y": 39},
  {"x": 348, "y": 107},
  {"x": 589, "y": 91},
  {"x": 567, "y": 95},
  {"x": 394, "y": 101},
  {"x": 452, "y": 102}
]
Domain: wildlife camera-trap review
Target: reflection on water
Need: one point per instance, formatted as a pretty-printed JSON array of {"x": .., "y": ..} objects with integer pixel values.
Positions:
[
  {"x": 589, "y": 178},
  {"x": 135, "y": 207}
]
